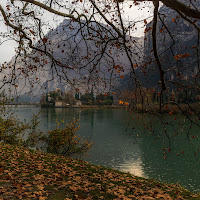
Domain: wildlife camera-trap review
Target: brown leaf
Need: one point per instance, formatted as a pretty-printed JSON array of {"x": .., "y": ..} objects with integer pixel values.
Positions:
[
  {"x": 32, "y": 32},
  {"x": 174, "y": 20},
  {"x": 42, "y": 198},
  {"x": 1, "y": 170},
  {"x": 44, "y": 40},
  {"x": 176, "y": 57},
  {"x": 185, "y": 55},
  {"x": 40, "y": 187}
]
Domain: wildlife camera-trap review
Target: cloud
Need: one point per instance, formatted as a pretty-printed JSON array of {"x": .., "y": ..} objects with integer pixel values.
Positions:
[{"x": 7, "y": 51}]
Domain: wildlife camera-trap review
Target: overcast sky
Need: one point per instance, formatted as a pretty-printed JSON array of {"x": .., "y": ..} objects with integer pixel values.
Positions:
[{"x": 7, "y": 49}]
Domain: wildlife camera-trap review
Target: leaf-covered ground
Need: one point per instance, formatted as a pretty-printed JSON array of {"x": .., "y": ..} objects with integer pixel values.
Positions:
[{"x": 28, "y": 174}]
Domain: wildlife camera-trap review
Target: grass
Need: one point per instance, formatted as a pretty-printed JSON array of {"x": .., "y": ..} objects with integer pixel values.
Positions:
[{"x": 28, "y": 174}]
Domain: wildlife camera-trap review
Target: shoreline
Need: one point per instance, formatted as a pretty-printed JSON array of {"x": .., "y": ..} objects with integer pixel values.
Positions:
[
  {"x": 26, "y": 173},
  {"x": 93, "y": 106},
  {"x": 168, "y": 108}
]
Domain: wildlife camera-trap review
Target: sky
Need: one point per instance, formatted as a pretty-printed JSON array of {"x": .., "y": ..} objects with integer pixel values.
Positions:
[{"x": 136, "y": 13}]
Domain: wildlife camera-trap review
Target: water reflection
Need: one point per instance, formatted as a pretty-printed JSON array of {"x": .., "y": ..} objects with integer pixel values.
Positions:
[{"x": 133, "y": 166}]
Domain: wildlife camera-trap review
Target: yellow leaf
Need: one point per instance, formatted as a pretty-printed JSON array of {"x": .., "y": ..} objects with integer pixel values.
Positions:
[{"x": 121, "y": 102}]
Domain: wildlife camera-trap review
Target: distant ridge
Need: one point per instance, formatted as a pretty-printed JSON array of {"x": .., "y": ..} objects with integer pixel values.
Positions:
[{"x": 74, "y": 47}]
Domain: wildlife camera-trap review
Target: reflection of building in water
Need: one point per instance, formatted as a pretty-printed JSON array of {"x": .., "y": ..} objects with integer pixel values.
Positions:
[
  {"x": 66, "y": 114},
  {"x": 50, "y": 113}
]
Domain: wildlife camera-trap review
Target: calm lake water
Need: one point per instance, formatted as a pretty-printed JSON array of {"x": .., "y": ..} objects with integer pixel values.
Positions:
[{"x": 122, "y": 142}]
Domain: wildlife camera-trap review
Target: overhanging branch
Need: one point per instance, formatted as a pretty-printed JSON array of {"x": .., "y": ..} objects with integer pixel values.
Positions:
[
  {"x": 176, "y": 5},
  {"x": 154, "y": 38}
]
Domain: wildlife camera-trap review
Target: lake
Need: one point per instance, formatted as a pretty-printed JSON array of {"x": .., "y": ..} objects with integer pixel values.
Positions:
[{"x": 122, "y": 141}]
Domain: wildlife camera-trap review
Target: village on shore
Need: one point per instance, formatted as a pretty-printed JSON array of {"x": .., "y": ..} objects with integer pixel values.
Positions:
[{"x": 72, "y": 98}]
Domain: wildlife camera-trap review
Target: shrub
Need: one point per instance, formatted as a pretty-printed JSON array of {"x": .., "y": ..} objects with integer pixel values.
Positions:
[
  {"x": 107, "y": 102},
  {"x": 14, "y": 131},
  {"x": 10, "y": 130},
  {"x": 59, "y": 141},
  {"x": 65, "y": 141}
]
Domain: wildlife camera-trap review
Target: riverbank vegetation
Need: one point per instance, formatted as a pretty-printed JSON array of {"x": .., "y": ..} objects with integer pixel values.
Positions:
[
  {"x": 65, "y": 141},
  {"x": 171, "y": 102},
  {"x": 62, "y": 140},
  {"x": 30, "y": 174}
]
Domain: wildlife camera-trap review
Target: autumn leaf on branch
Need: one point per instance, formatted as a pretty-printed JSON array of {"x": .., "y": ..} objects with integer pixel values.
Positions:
[
  {"x": 121, "y": 102},
  {"x": 126, "y": 103},
  {"x": 174, "y": 20},
  {"x": 185, "y": 55},
  {"x": 32, "y": 32},
  {"x": 135, "y": 66},
  {"x": 44, "y": 40}
]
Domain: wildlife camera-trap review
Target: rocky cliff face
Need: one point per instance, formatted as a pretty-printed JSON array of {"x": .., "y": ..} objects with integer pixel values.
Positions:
[
  {"x": 175, "y": 36},
  {"x": 79, "y": 61}
]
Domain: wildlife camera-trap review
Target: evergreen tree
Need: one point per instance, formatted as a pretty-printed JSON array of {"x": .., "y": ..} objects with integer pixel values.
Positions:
[
  {"x": 46, "y": 97},
  {"x": 77, "y": 96}
]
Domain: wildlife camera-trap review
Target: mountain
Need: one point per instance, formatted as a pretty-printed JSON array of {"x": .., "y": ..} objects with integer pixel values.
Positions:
[
  {"x": 180, "y": 38},
  {"x": 79, "y": 62},
  {"x": 176, "y": 43}
]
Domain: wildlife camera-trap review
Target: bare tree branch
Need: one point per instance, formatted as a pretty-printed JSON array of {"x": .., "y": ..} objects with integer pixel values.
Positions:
[{"x": 154, "y": 39}]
